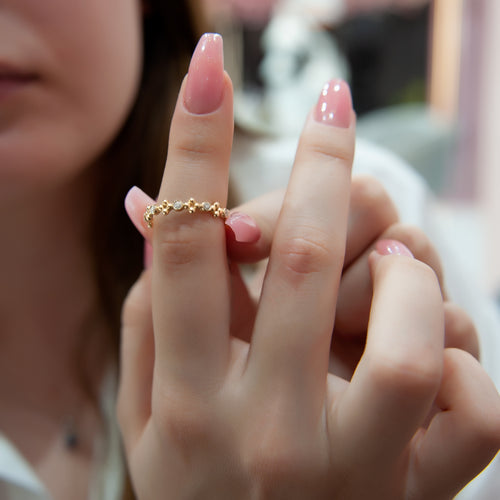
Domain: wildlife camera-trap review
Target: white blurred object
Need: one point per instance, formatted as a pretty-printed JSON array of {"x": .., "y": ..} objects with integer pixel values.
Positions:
[
  {"x": 326, "y": 11},
  {"x": 299, "y": 57},
  {"x": 487, "y": 153}
]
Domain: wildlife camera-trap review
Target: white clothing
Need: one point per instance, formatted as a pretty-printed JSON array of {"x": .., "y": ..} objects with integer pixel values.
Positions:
[{"x": 18, "y": 480}]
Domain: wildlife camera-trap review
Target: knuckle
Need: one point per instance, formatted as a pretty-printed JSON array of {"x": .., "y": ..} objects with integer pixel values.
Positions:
[
  {"x": 415, "y": 239},
  {"x": 321, "y": 152},
  {"x": 272, "y": 449},
  {"x": 318, "y": 145},
  {"x": 179, "y": 243},
  {"x": 408, "y": 374},
  {"x": 369, "y": 197},
  {"x": 183, "y": 420},
  {"x": 306, "y": 254},
  {"x": 421, "y": 275},
  {"x": 273, "y": 458},
  {"x": 196, "y": 146}
]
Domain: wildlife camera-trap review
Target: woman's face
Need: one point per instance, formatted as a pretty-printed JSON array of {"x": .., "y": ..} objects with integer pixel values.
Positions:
[{"x": 69, "y": 71}]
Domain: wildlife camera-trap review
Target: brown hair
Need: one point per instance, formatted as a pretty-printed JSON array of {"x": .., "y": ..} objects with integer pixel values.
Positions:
[{"x": 137, "y": 155}]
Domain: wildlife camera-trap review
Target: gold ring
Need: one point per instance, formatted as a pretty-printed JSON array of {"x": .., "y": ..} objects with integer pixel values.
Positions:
[{"x": 192, "y": 206}]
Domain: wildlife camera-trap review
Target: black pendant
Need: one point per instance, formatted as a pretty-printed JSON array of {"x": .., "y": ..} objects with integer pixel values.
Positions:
[{"x": 70, "y": 435}]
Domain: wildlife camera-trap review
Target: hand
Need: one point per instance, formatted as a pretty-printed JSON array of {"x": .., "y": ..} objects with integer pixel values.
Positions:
[
  {"x": 372, "y": 218},
  {"x": 205, "y": 415}
]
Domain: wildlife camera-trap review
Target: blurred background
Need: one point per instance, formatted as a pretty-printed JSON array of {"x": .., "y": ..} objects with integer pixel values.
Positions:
[{"x": 425, "y": 80}]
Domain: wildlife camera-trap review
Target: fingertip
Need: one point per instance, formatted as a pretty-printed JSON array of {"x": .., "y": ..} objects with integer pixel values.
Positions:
[
  {"x": 205, "y": 83},
  {"x": 243, "y": 228},
  {"x": 334, "y": 106},
  {"x": 392, "y": 247},
  {"x": 387, "y": 248},
  {"x": 135, "y": 203}
]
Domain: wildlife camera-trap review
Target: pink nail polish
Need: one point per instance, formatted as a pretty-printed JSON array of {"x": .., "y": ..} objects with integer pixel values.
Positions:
[
  {"x": 205, "y": 80},
  {"x": 244, "y": 228},
  {"x": 392, "y": 247},
  {"x": 135, "y": 204},
  {"x": 334, "y": 104}
]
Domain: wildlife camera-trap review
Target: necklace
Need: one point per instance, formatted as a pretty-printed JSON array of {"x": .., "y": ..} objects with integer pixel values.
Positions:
[{"x": 70, "y": 434}]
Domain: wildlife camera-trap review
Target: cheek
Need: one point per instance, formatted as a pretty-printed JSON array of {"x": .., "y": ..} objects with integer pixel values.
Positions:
[
  {"x": 90, "y": 81},
  {"x": 102, "y": 83}
]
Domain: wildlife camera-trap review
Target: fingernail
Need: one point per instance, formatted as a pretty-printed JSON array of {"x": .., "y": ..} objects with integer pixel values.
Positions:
[
  {"x": 205, "y": 80},
  {"x": 148, "y": 255},
  {"x": 392, "y": 247},
  {"x": 334, "y": 104},
  {"x": 244, "y": 228},
  {"x": 135, "y": 204}
]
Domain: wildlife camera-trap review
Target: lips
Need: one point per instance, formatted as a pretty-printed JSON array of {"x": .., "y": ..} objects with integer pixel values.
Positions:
[
  {"x": 13, "y": 78},
  {"x": 8, "y": 70},
  {"x": 11, "y": 72}
]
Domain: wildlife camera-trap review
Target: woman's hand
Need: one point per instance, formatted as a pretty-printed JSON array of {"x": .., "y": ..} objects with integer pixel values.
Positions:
[
  {"x": 372, "y": 221},
  {"x": 207, "y": 415}
]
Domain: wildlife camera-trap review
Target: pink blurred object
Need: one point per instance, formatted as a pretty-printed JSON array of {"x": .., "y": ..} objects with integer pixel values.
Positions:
[{"x": 247, "y": 11}]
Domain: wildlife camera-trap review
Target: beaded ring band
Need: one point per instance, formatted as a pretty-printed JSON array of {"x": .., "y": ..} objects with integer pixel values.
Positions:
[{"x": 191, "y": 206}]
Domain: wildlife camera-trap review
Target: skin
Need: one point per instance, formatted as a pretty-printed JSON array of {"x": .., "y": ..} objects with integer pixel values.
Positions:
[
  {"x": 81, "y": 61},
  {"x": 82, "y": 78},
  {"x": 372, "y": 217},
  {"x": 205, "y": 414}
]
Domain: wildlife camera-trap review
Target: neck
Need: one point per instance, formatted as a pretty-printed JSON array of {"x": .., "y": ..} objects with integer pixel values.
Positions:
[{"x": 48, "y": 295}]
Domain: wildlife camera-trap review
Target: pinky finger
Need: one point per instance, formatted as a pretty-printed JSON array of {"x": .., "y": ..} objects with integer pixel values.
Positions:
[{"x": 464, "y": 436}]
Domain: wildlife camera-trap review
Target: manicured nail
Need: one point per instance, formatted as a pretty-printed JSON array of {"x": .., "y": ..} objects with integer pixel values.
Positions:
[
  {"x": 135, "y": 204},
  {"x": 392, "y": 247},
  {"x": 205, "y": 80},
  {"x": 334, "y": 104},
  {"x": 244, "y": 228}
]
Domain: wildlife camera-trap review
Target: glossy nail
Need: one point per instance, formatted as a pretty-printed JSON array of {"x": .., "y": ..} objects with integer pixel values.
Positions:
[
  {"x": 244, "y": 228},
  {"x": 392, "y": 247},
  {"x": 334, "y": 105},
  {"x": 205, "y": 80},
  {"x": 135, "y": 204}
]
